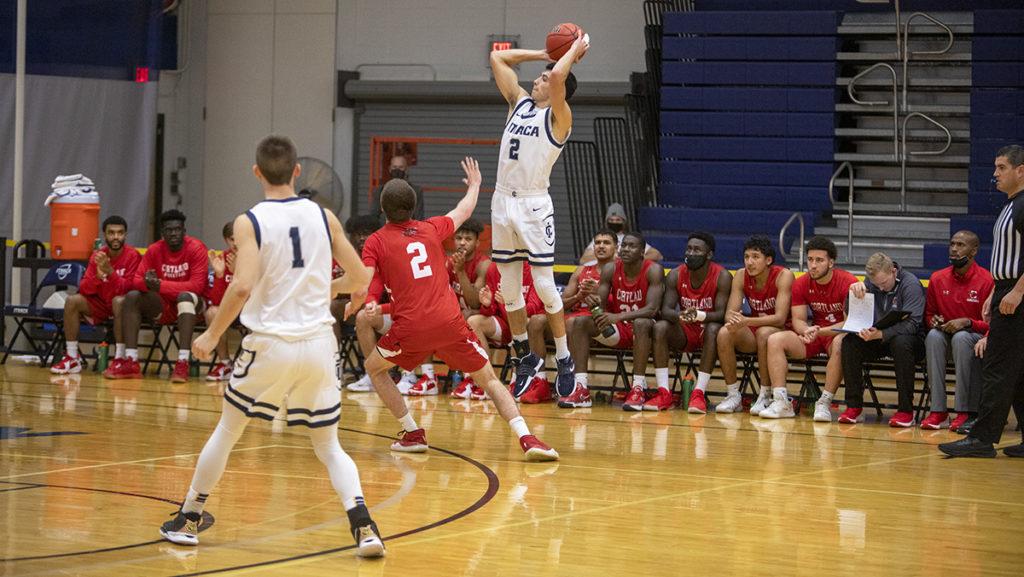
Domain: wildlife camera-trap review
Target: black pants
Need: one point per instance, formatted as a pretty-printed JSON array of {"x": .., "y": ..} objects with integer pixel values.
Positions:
[
  {"x": 1002, "y": 376},
  {"x": 905, "y": 351}
]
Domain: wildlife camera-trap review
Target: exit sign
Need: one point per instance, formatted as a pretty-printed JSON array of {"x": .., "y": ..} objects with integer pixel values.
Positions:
[
  {"x": 499, "y": 42},
  {"x": 499, "y": 45}
]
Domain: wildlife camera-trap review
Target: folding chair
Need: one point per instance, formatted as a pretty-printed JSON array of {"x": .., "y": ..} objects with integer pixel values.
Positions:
[{"x": 30, "y": 316}]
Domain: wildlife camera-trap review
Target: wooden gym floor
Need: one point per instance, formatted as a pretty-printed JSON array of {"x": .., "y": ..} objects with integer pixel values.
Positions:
[{"x": 90, "y": 468}]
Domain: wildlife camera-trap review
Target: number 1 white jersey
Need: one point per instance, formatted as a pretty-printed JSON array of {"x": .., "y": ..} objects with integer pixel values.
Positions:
[
  {"x": 291, "y": 298},
  {"x": 528, "y": 149}
]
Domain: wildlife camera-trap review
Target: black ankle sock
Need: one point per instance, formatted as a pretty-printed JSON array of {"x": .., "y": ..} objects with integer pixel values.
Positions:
[
  {"x": 522, "y": 348},
  {"x": 358, "y": 516}
]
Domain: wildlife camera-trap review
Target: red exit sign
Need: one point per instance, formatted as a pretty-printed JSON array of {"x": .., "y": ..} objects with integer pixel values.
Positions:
[
  {"x": 502, "y": 45},
  {"x": 499, "y": 42}
]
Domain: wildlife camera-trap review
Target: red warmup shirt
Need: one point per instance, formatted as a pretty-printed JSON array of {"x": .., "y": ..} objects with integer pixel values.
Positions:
[
  {"x": 827, "y": 302},
  {"x": 492, "y": 280},
  {"x": 625, "y": 296},
  {"x": 220, "y": 285},
  {"x": 470, "y": 267},
  {"x": 185, "y": 270},
  {"x": 119, "y": 282},
  {"x": 955, "y": 297},
  {"x": 590, "y": 271},
  {"x": 701, "y": 298},
  {"x": 762, "y": 302},
  {"x": 412, "y": 263}
]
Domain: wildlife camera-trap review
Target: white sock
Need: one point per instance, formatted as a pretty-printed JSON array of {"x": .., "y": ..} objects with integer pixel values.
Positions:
[
  {"x": 72, "y": 349},
  {"x": 428, "y": 370},
  {"x": 521, "y": 337},
  {"x": 543, "y": 375},
  {"x": 132, "y": 354},
  {"x": 702, "y": 381},
  {"x": 183, "y": 355},
  {"x": 780, "y": 393},
  {"x": 639, "y": 381},
  {"x": 119, "y": 350},
  {"x": 408, "y": 376},
  {"x": 561, "y": 347},
  {"x": 583, "y": 380},
  {"x": 519, "y": 427},
  {"x": 826, "y": 397},
  {"x": 194, "y": 501},
  {"x": 408, "y": 423},
  {"x": 661, "y": 376},
  {"x": 340, "y": 466},
  {"x": 733, "y": 389}
]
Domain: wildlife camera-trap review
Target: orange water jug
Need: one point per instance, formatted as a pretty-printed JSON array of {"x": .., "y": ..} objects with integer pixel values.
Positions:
[{"x": 74, "y": 225}]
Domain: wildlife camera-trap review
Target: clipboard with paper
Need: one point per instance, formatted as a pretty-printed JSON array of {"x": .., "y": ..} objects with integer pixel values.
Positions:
[{"x": 862, "y": 315}]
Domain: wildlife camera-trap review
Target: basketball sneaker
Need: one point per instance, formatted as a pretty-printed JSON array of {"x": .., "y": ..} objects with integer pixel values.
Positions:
[
  {"x": 635, "y": 399},
  {"x": 464, "y": 390},
  {"x": 779, "y": 409},
  {"x": 406, "y": 382},
  {"x": 536, "y": 450},
  {"x": 934, "y": 420},
  {"x": 538, "y": 392},
  {"x": 579, "y": 399},
  {"x": 368, "y": 540},
  {"x": 698, "y": 405},
  {"x": 851, "y": 415},
  {"x": 763, "y": 400},
  {"x": 565, "y": 382},
  {"x": 477, "y": 393},
  {"x": 219, "y": 372},
  {"x": 732, "y": 403},
  {"x": 1015, "y": 451},
  {"x": 363, "y": 385},
  {"x": 123, "y": 369},
  {"x": 183, "y": 529},
  {"x": 424, "y": 387},
  {"x": 411, "y": 442},
  {"x": 958, "y": 422},
  {"x": 822, "y": 412},
  {"x": 68, "y": 365},
  {"x": 661, "y": 401},
  {"x": 180, "y": 373},
  {"x": 526, "y": 369},
  {"x": 902, "y": 419}
]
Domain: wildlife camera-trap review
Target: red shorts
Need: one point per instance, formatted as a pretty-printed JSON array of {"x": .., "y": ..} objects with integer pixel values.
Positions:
[
  {"x": 694, "y": 336},
  {"x": 818, "y": 346},
  {"x": 169, "y": 315},
  {"x": 99, "y": 310},
  {"x": 579, "y": 313},
  {"x": 457, "y": 346},
  {"x": 625, "y": 331}
]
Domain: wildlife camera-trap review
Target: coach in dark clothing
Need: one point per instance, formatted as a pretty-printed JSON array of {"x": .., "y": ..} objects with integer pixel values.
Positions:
[
  {"x": 894, "y": 289},
  {"x": 399, "y": 168},
  {"x": 1002, "y": 379}
]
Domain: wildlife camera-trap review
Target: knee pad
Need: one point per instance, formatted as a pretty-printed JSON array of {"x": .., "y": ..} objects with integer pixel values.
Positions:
[
  {"x": 544, "y": 283},
  {"x": 512, "y": 285},
  {"x": 187, "y": 303}
]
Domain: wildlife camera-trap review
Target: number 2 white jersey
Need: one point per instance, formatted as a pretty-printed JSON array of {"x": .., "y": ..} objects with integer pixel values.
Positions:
[
  {"x": 528, "y": 149},
  {"x": 291, "y": 298}
]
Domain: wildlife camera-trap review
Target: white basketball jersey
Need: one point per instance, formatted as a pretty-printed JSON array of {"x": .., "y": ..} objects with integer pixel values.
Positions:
[
  {"x": 291, "y": 298},
  {"x": 528, "y": 149}
]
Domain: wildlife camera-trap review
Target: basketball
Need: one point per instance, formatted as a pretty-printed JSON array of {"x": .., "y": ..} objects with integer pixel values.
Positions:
[{"x": 560, "y": 39}]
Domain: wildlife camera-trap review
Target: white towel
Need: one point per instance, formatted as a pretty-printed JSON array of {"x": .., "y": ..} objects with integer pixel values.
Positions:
[{"x": 70, "y": 181}]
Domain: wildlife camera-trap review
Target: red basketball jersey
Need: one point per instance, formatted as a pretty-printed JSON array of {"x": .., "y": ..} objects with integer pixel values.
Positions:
[
  {"x": 413, "y": 265},
  {"x": 627, "y": 296},
  {"x": 762, "y": 302},
  {"x": 470, "y": 267},
  {"x": 827, "y": 301},
  {"x": 591, "y": 271},
  {"x": 701, "y": 298}
]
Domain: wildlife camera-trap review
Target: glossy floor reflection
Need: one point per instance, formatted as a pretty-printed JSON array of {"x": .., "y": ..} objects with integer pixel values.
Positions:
[{"x": 90, "y": 468}]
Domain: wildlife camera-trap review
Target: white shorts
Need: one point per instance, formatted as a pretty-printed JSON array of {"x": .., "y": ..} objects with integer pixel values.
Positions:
[
  {"x": 522, "y": 228},
  {"x": 306, "y": 373}
]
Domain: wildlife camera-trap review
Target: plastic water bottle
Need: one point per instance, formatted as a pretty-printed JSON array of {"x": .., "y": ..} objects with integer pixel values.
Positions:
[
  {"x": 688, "y": 385},
  {"x": 97, "y": 244},
  {"x": 102, "y": 356},
  {"x": 610, "y": 329},
  {"x": 193, "y": 367},
  {"x": 456, "y": 379}
]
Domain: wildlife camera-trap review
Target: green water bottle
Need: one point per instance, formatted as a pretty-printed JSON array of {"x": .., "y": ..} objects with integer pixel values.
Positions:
[
  {"x": 97, "y": 244},
  {"x": 688, "y": 385},
  {"x": 610, "y": 329},
  {"x": 102, "y": 356},
  {"x": 193, "y": 368}
]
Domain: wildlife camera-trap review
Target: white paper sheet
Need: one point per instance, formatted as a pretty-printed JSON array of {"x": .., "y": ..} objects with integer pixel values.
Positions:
[{"x": 861, "y": 315}]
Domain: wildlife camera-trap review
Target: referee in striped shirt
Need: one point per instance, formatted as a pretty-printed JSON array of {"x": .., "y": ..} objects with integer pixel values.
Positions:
[{"x": 1003, "y": 368}]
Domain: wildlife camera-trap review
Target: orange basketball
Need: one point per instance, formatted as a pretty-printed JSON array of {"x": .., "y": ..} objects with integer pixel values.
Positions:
[{"x": 560, "y": 39}]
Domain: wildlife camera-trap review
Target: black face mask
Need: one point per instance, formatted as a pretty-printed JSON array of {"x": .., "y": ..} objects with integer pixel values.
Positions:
[
  {"x": 397, "y": 173},
  {"x": 695, "y": 261},
  {"x": 959, "y": 262},
  {"x": 617, "y": 227}
]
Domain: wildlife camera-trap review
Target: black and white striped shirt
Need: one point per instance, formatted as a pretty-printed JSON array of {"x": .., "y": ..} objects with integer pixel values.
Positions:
[{"x": 1007, "y": 244}]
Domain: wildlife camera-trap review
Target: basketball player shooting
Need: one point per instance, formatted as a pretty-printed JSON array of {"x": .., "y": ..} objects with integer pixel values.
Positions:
[{"x": 522, "y": 214}]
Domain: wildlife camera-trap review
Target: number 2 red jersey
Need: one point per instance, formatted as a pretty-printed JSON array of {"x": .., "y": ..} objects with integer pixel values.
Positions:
[
  {"x": 412, "y": 263},
  {"x": 625, "y": 295}
]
